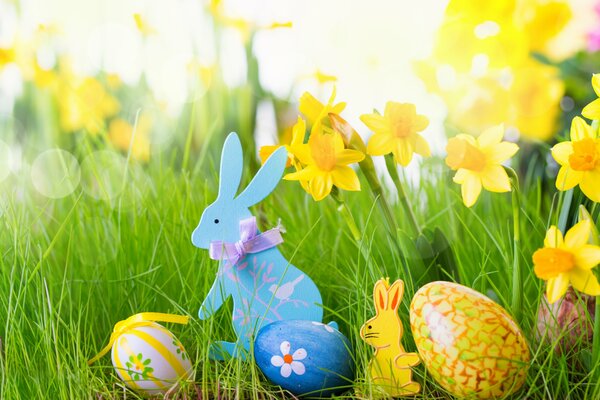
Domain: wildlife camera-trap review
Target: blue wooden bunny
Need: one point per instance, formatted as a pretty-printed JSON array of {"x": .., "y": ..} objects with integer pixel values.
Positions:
[{"x": 264, "y": 286}]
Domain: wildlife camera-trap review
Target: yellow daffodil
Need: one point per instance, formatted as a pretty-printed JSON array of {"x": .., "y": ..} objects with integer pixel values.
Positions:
[
  {"x": 322, "y": 77},
  {"x": 43, "y": 78},
  {"x": 142, "y": 25},
  {"x": 326, "y": 163},
  {"x": 569, "y": 260},
  {"x": 245, "y": 27},
  {"x": 298, "y": 132},
  {"x": 85, "y": 104},
  {"x": 534, "y": 102},
  {"x": 478, "y": 162},
  {"x": 592, "y": 110},
  {"x": 206, "y": 73},
  {"x": 543, "y": 20},
  {"x": 121, "y": 133},
  {"x": 396, "y": 131},
  {"x": 297, "y": 139},
  {"x": 6, "y": 56},
  {"x": 579, "y": 160},
  {"x": 494, "y": 78},
  {"x": 314, "y": 110},
  {"x": 492, "y": 10}
]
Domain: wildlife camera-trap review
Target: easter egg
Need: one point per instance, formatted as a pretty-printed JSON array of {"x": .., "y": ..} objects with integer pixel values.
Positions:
[
  {"x": 305, "y": 357},
  {"x": 150, "y": 359},
  {"x": 468, "y": 343}
]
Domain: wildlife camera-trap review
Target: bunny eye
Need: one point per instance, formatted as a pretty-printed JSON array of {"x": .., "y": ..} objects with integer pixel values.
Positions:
[
  {"x": 369, "y": 327},
  {"x": 216, "y": 220}
]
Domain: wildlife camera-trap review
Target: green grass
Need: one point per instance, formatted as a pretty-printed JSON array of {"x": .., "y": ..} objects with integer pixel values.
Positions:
[{"x": 71, "y": 268}]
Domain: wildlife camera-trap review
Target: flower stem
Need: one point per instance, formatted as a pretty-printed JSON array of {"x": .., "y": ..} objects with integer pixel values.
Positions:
[
  {"x": 596, "y": 343},
  {"x": 402, "y": 197},
  {"x": 596, "y": 338},
  {"x": 353, "y": 141},
  {"x": 368, "y": 170},
  {"x": 517, "y": 279},
  {"x": 346, "y": 214}
]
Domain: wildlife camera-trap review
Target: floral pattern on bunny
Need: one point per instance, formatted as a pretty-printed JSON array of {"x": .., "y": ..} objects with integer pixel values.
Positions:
[
  {"x": 264, "y": 286},
  {"x": 389, "y": 368}
]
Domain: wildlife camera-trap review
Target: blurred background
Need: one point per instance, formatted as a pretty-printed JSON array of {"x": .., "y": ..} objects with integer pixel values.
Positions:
[{"x": 149, "y": 80}]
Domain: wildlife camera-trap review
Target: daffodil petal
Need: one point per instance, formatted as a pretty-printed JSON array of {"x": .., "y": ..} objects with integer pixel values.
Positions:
[
  {"x": 554, "y": 237},
  {"x": 302, "y": 153},
  {"x": 346, "y": 157},
  {"x": 338, "y": 108},
  {"x": 495, "y": 179},
  {"x": 557, "y": 287},
  {"x": 578, "y": 235},
  {"x": 592, "y": 110},
  {"x": 305, "y": 174},
  {"x": 596, "y": 84},
  {"x": 403, "y": 152},
  {"x": 500, "y": 152},
  {"x": 376, "y": 123},
  {"x": 580, "y": 129},
  {"x": 421, "y": 146},
  {"x": 461, "y": 175},
  {"x": 470, "y": 189},
  {"x": 470, "y": 139},
  {"x": 310, "y": 107},
  {"x": 380, "y": 144},
  {"x": 585, "y": 281},
  {"x": 562, "y": 151},
  {"x": 587, "y": 256},
  {"x": 590, "y": 185},
  {"x": 491, "y": 136},
  {"x": 421, "y": 123},
  {"x": 298, "y": 132},
  {"x": 394, "y": 110},
  {"x": 345, "y": 178},
  {"x": 568, "y": 178},
  {"x": 320, "y": 186}
]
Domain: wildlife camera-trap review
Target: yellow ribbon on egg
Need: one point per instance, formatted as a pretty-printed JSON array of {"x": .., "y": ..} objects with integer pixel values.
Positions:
[{"x": 136, "y": 321}]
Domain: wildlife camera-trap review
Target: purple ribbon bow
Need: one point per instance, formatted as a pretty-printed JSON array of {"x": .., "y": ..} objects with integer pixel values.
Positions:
[{"x": 249, "y": 242}]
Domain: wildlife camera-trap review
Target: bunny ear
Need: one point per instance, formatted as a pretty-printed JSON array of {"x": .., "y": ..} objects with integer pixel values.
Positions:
[
  {"x": 395, "y": 293},
  {"x": 380, "y": 295},
  {"x": 232, "y": 160},
  {"x": 266, "y": 179}
]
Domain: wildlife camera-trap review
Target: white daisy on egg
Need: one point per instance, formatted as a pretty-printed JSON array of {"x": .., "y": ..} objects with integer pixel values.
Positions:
[{"x": 289, "y": 362}]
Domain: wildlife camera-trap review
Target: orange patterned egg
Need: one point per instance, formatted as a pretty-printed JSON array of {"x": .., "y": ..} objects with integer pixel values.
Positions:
[{"x": 468, "y": 343}]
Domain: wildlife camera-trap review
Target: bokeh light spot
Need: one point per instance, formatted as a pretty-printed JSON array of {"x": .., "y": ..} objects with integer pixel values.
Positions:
[
  {"x": 55, "y": 173},
  {"x": 487, "y": 29}
]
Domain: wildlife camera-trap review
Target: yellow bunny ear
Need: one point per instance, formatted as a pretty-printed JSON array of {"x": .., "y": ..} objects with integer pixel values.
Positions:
[
  {"x": 395, "y": 293},
  {"x": 380, "y": 295}
]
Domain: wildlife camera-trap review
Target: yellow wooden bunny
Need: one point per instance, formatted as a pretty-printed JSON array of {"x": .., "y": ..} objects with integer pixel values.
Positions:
[{"x": 390, "y": 366}]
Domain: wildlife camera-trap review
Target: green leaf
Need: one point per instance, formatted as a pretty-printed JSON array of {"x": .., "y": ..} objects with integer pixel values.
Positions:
[{"x": 445, "y": 256}]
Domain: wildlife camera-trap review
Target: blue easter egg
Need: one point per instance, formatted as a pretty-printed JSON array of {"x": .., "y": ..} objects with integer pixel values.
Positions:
[{"x": 305, "y": 357}]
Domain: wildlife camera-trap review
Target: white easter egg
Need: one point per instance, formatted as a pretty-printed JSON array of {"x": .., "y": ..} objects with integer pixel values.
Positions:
[{"x": 150, "y": 359}]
